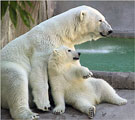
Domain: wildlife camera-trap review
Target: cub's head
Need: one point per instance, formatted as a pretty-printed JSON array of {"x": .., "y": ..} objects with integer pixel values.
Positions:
[{"x": 64, "y": 54}]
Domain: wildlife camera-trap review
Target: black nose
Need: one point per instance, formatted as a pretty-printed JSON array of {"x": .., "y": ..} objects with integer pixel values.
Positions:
[
  {"x": 110, "y": 31},
  {"x": 79, "y": 53}
]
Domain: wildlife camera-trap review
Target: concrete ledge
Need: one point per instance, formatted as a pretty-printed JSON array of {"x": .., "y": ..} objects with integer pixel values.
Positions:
[
  {"x": 123, "y": 34},
  {"x": 119, "y": 80}
]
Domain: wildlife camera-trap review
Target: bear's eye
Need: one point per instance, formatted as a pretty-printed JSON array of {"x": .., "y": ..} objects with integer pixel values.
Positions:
[
  {"x": 69, "y": 50},
  {"x": 100, "y": 20}
]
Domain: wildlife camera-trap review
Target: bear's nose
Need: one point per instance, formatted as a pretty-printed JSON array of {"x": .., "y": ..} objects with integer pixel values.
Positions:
[
  {"x": 109, "y": 32},
  {"x": 79, "y": 53}
]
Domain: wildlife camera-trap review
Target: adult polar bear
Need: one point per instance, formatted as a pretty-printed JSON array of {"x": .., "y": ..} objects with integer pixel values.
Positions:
[{"x": 22, "y": 57}]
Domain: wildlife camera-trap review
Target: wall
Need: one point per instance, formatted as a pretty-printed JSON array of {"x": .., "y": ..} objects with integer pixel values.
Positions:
[
  {"x": 120, "y": 14},
  {"x": 42, "y": 11}
]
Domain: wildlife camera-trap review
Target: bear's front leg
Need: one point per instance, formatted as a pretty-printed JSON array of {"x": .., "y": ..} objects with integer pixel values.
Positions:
[
  {"x": 39, "y": 85},
  {"x": 59, "y": 102},
  {"x": 84, "y": 72}
]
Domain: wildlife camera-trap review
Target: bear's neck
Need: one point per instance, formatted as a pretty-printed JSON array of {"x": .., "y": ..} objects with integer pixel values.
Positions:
[{"x": 68, "y": 31}]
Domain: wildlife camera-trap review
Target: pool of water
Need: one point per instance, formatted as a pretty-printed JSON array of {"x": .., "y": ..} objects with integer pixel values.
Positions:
[{"x": 108, "y": 54}]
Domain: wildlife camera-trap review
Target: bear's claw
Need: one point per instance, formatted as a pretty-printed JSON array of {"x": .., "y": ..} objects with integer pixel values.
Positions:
[
  {"x": 44, "y": 107},
  {"x": 47, "y": 108},
  {"x": 35, "y": 116},
  {"x": 87, "y": 76},
  {"x": 59, "y": 110}
]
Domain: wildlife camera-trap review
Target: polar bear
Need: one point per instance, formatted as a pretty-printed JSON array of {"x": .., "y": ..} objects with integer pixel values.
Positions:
[
  {"x": 24, "y": 60},
  {"x": 74, "y": 85}
]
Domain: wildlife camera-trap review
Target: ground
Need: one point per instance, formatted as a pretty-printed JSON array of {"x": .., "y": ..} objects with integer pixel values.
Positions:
[{"x": 104, "y": 111}]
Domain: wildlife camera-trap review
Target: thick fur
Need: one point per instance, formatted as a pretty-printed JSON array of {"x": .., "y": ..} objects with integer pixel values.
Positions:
[
  {"x": 70, "y": 84},
  {"x": 24, "y": 60}
]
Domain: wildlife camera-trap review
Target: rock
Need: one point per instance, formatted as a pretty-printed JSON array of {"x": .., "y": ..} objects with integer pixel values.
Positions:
[{"x": 119, "y": 80}]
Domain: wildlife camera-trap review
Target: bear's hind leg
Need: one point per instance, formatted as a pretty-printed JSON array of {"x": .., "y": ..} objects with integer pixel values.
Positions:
[
  {"x": 114, "y": 98},
  {"x": 109, "y": 95},
  {"x": 18, "y": 101},
  {"x": 16, "y": 88},
  {"x": 86, "y": 107}
]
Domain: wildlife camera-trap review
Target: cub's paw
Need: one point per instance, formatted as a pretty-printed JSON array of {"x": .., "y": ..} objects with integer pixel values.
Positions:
[
  {"x": 59, "y": 109},
  {"x": 122, "y": 102},
  {"x": 86, "y": 73},
  {"x": 91, "y": 112},
  {"x": 87, "y": 76}
]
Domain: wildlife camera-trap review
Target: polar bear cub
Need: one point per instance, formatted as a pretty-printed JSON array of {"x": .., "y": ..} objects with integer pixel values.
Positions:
[{"x": 73, "y": 85}]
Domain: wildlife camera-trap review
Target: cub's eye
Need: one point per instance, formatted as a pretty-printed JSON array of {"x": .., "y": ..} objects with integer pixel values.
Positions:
[
  {"x": 100, "y": 20},
  {"x": 69, "y": 50}
]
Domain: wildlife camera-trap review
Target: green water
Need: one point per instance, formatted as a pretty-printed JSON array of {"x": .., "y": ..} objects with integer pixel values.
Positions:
[{"x": 108, "y": 54}]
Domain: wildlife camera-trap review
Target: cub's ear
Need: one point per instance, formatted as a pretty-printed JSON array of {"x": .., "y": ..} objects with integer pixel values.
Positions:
[
  {"x": 55, "y": 51},
  {"x": 82, "y": 15}
]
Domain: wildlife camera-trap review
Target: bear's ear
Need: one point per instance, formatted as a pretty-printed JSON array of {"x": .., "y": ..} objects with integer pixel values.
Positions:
[
  {"x": 55, "y": 51},
  {"x": 82, "y": 15}
]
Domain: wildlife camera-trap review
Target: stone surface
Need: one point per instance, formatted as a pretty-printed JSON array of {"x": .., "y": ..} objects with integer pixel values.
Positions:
[
  {"x": 104, "y": 111},
  {"x": 119, "y": 80}
]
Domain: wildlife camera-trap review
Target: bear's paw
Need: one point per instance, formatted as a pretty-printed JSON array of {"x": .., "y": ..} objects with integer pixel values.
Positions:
[
  {"x": 86, "y": 73},
  {"x": 28, "y": 115},
  {"x": 34, "y": 116},
  {"x": 91, "y": 112},
  {"x": 42, "y": 105},
  {"x": 59, "y": 109},
  {"x": 122, "y": 102}
]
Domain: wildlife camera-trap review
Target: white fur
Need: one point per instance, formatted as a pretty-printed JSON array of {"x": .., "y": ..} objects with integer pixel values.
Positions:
[
  {"x": 26, "y": 57},
  {"x": 68, "y": 85}
]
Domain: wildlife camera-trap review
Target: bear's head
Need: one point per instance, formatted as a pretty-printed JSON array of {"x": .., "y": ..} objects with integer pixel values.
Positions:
[
  {"x": 89, "y": 24},
  {"x": 64, "y": 55}
]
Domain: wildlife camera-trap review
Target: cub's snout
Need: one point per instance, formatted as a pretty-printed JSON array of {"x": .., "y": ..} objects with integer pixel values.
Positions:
[{"x": 77, "y": 56}]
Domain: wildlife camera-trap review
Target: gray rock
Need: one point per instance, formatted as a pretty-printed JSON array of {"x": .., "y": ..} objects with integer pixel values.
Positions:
[{"x": 104, "y": 111}]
